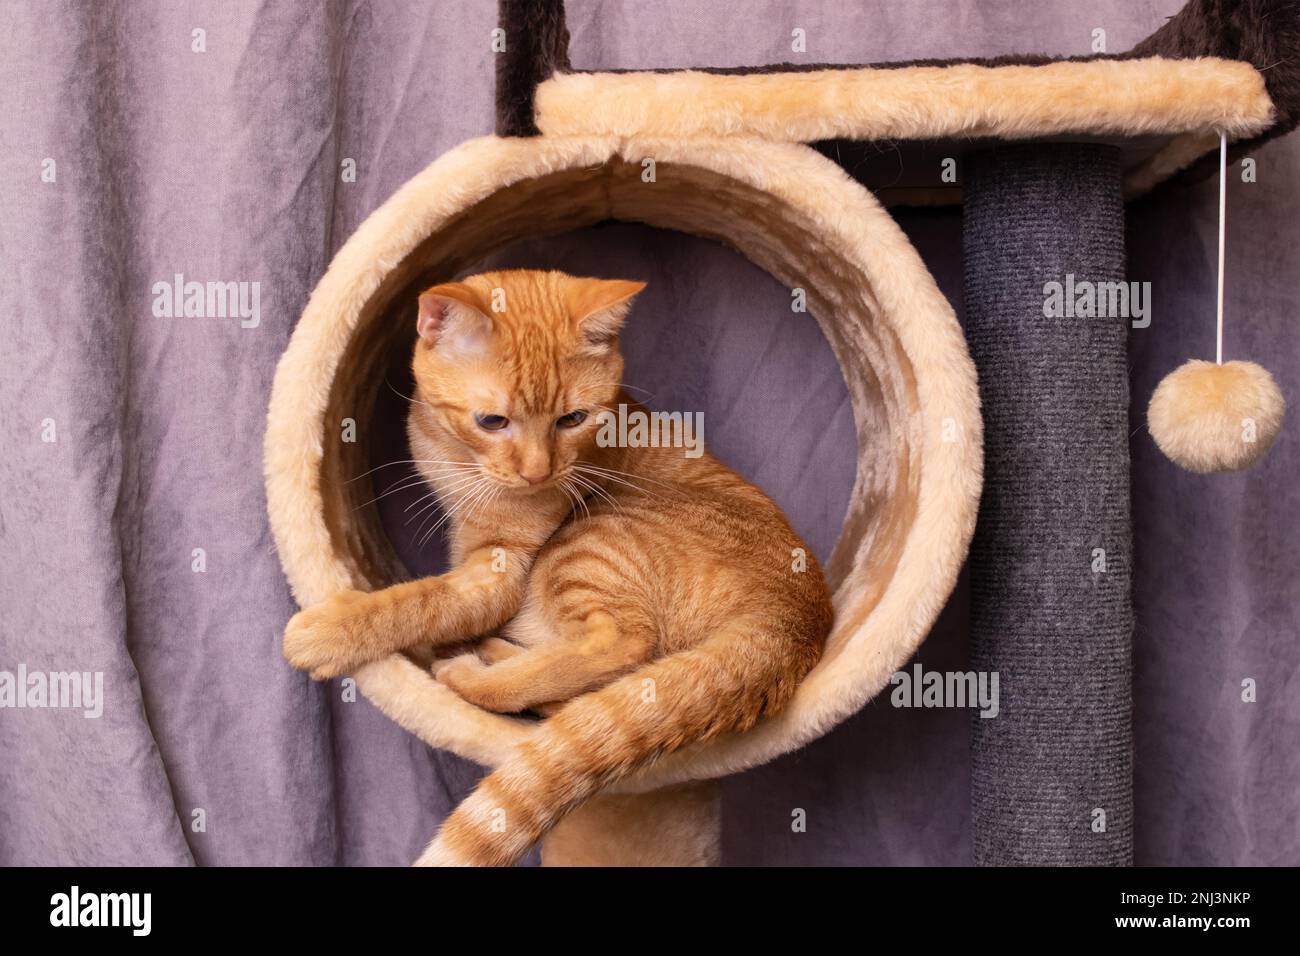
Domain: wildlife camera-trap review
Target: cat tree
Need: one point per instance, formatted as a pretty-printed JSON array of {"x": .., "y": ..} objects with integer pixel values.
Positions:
[{"x": 1050, "y": 149}]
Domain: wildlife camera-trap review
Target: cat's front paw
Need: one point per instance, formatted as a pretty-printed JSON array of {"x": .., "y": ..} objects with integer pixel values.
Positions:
[
  {"x": 326, "y": 639},
  {"x": 457, "y": 672}
]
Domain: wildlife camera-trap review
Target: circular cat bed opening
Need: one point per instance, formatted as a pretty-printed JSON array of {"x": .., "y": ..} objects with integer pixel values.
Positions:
[
  {"x": 712, "y": 336},
  {"x": 787, "y": 209}
]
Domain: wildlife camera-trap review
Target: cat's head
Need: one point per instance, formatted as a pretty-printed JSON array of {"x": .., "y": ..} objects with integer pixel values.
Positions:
[{"x": 514, "y": 366}]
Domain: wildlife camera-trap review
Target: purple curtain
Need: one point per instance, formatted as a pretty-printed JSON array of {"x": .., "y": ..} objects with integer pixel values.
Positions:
[{"x": 213, "y": 140}]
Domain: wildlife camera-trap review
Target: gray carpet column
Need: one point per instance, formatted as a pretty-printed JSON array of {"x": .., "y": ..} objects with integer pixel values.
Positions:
[{"x": 1050, "y": 563}]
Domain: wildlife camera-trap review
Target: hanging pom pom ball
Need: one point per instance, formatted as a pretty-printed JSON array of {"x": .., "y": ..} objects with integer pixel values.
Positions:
[{"x": 1208, "y": 417}]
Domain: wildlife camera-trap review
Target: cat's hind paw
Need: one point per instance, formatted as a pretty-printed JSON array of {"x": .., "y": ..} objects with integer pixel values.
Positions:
[{"x": 455, "y": 670}]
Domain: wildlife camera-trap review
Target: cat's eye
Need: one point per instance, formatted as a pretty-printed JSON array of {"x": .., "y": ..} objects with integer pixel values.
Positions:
[
  {"x": 571, "y": 420},
  {"x": 491, "y": 423}
]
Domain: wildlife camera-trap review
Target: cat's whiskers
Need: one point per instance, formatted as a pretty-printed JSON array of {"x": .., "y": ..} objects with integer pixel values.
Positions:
[
  {"x": 486, "y": 503},
  {"x": 470, "y": 500},
  {"x": 430, "y": 507},
  {"x": 457, "y": 484},
  {"x": 430, "y": 510},
  {"x": 437, "y": 495},
  {"x": 568, "y": 493},
  {"x": 579, "y": 498},
  {"x": 414, "y": 461},
  {"x": 621, "y": 478},
  {"x": 425, "y": 502},
  {"x": 440, "y": 497},
  {"x": 445, "y": 468},
  {"x": 582, "y": 501},
  {"x": 597, "y": 489},
  {"x": 409, "y": 482},
  {"x": 413, "y": 401},
  {"x": 404, "y": 485},
  {"x": 605, "y": 469}
]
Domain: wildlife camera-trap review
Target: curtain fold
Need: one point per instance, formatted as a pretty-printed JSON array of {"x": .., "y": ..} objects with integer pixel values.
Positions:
[{"x": 239, "y": 143}]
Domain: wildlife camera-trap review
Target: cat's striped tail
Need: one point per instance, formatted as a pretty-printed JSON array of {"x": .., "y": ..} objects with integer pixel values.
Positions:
[{"x": 725, "y": 683}]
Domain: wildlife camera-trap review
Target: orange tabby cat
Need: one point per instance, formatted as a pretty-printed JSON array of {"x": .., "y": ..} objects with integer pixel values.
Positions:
[{"x": 656, "y": 593}]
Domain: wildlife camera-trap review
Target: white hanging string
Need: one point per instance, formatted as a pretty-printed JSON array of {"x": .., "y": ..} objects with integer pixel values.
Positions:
[{"x": 1223, "y": 212}]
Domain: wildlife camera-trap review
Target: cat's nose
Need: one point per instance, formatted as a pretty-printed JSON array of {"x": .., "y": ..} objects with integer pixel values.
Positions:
[{"x": 535, "y": 476}]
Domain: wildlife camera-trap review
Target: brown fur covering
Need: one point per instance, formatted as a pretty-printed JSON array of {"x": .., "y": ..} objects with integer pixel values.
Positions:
[
  {"x": 537, "y": 45},
  {"x": 1263, "y": 33}
]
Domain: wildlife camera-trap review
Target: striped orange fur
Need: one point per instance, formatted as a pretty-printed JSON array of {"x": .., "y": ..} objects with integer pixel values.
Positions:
[
  {"x": 646, "y": 600},
  {"x": 666, "y": 608}
]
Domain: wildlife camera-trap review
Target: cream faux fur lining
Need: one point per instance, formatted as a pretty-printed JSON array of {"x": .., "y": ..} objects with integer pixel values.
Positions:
[
  {"x": 1188, "y": 100},
  {"x": 793, "y": 212}
]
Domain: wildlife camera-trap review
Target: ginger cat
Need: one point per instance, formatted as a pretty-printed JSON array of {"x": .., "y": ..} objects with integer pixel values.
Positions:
[{"x": 654, "y": 593}]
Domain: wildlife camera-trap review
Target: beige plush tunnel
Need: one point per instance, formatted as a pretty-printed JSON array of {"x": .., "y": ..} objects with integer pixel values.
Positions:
[{"x": 790, "y": 211}]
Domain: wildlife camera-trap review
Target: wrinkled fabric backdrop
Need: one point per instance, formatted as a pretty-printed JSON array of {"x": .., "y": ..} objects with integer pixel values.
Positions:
[{"x": 225, "y": 165}]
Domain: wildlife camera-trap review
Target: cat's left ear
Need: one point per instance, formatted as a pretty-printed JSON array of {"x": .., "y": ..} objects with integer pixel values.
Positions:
[{"x": 601, "y": 305}]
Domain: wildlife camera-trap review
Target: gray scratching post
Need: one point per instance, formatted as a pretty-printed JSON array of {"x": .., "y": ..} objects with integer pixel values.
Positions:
[{"x": 1050, "y": 562}]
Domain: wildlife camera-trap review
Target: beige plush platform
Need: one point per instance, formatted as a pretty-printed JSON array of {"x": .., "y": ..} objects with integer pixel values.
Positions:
[{"x": 1162, "y": 113}]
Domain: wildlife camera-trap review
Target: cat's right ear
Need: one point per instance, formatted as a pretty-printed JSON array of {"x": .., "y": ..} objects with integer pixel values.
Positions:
[{"x": 450, "y": 318}]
